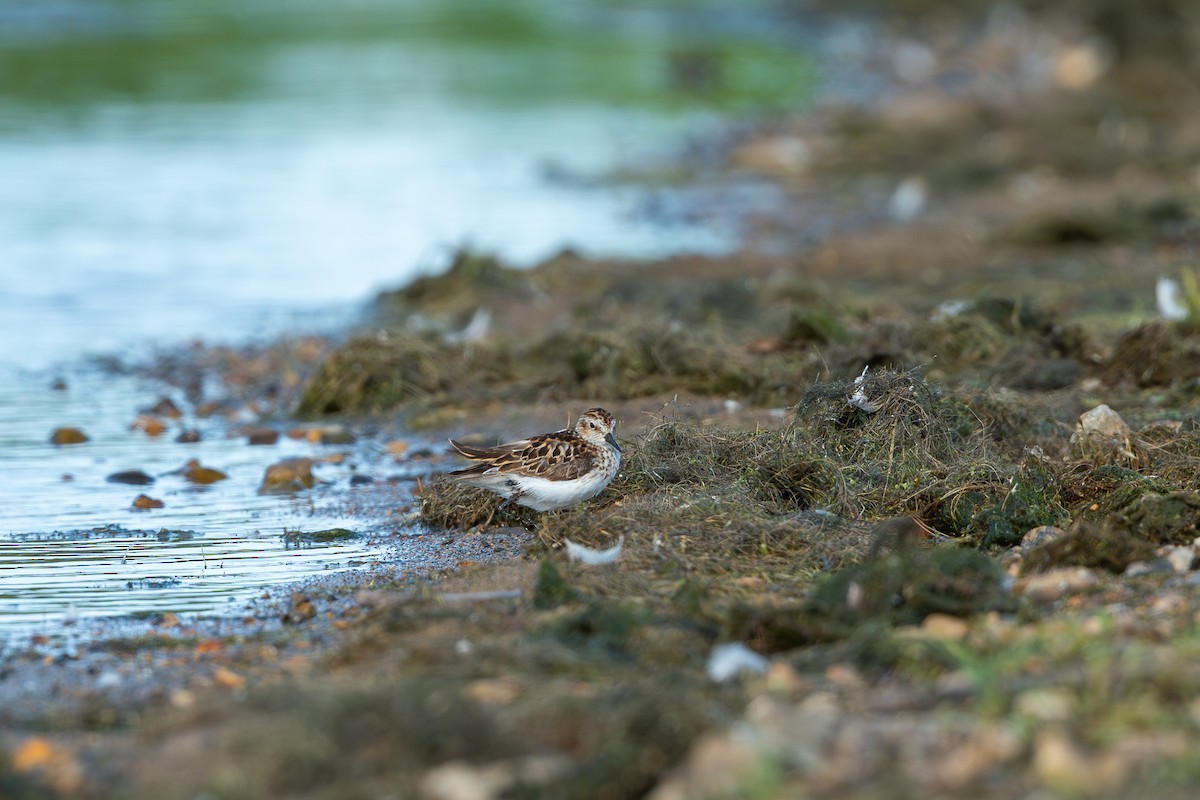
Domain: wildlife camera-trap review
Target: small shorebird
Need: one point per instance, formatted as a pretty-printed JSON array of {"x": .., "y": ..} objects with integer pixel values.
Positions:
[{"x": 551, "y": 470}]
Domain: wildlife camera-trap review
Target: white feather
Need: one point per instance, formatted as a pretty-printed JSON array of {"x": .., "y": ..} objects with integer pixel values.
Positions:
[{"x": 588, "y": 555}]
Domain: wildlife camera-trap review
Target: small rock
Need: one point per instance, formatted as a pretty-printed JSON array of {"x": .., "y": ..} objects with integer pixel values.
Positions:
[
  {"x": 397, "y": 448},
  {"x": 54, "y": 765},
  {"x": 62, "y": 436},
  {"x": 133, "y": 477},
  {"x": 944, "y": 626},
  {"x": 227, "y": 678},
  {"x": 457, "y": 780},
  {"x": 189, "y": 436},
  {"x": 145, "y": 502},
  {"x": 908, "y": 199},
  {"x": 1056, "y": 583},
  {"x": 1061, "y": 765},
  {"x": 324, "y": 434},
  {"x": 289, "y": 475},
  {"x": 1157, "y": 566},
  {"x": 361, "y": 480},
  {"x": 1046, "y": 704},
  {"x": 165, "y": 407},
  {"x": 331, "y": 434},
  {"x": 194, "y": 472},
  {"x": 1040, "y": 535},
  {"x": 1078, "y": 66},
  {"x": 1102, "y": 437},
  {"x": 148, "y": 424},
  {"x": 781, "y": 154},
  {"x": 300, "y": 609},
  {"x": 261, "y": 436},
  {"x": 493, "y": 691},
  {"x": 1181, "y": 558},
  {"x": 716, "y": 766},
  {"x": 460, "y": 780}
]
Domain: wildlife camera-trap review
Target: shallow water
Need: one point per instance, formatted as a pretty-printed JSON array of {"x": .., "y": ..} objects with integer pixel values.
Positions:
[
  {"x": 236, "y": 170},
  {"x": 72, "y": 546}
]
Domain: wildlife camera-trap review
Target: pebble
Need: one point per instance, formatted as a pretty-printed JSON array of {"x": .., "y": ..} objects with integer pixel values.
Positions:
[
  {"x": 1040, "y": 535},
  {"x": 227, "y": 678},
  {"x": 165, "y": 407},
  {"x": 148, "y": 424},
  {"x": 194, "y": 472},
  {"x": 61, "y": 436},
  {"x": 1102, "y": 437},
  {"x": 1156, "y": 566},
  {"x": 1181, "y": 558},
  {"x": 945, "y": 626},
  {"x": 133, "y": 477},
  {"x": 289, "y": 475},
  {"x": 1056, "y": 583},
  {"x": 146, "y": 502},
  {"x": 300, "y": 609},
  {"x": 1046, "y": 704},
  {"x": 261, "y": 436},
  {"x": 716, "y": 766}
]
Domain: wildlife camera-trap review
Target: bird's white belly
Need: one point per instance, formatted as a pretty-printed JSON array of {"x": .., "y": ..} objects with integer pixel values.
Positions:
[{"x": 545, "y": 495}]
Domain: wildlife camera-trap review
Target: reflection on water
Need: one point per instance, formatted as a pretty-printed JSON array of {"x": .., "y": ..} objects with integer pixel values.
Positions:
[
  {"x": 174, "y": 169},
  {"x": 71, "y": 544},
  {"x": 238, "y": 168}
]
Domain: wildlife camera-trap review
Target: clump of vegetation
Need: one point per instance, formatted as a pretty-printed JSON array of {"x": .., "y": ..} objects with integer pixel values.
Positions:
[
  {"x": 1103, "y": 545},
  {"x": 1158, "y": 353},
  {"x": 905, "y": 447},
  {"x": 1172, "y": 518},
  {"x": 900, "y": 587},
  {"x": 387, "y": 370},
  {"x": 646, "y": 360},
  {"x": 447, "y": 503},
  {"x": 472, "y": 279}
]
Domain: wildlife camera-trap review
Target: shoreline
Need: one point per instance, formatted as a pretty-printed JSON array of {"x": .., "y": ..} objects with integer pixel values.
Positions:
[{"x": 956, "y": 587}]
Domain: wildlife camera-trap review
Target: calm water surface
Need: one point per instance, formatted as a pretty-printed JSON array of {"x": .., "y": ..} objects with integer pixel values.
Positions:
[{"x": 255, "y": 168}]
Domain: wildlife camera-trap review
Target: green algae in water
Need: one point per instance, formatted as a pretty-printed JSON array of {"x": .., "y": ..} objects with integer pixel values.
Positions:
[{"x": 328, "y": 536}]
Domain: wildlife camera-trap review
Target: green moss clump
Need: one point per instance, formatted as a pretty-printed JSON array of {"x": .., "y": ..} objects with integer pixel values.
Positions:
[
  {"x": 472, "y": 279},
  {"x": 1097, "y": 493},
  {"x": 1164, "y": 518},
  {"x": 1089, "y": 544},
  {"x": 998, "y": 513},
  {"x": 899, "y": 588},
  {"x": 387, "y": 370},
  {"x": 317, "y": 537},
  {"x": 813, "y": 327},
  {"x": 643, "y": 361},
  {"x": 601, "y": 627},
  {"x": 552, "y": 589},
  {"x": 1155, "y": 354},
  {"x": 375, "y": 372}
]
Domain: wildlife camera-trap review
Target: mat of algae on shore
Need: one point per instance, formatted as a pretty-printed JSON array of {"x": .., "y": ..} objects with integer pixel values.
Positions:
[{"x": 954, "y": 584}]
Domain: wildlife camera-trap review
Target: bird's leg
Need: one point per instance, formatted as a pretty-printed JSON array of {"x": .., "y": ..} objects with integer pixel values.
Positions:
[{"x": 496, "y": 509}]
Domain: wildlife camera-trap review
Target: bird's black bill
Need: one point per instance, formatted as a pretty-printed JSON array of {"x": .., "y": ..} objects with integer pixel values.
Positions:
[{"x": 612, "y": 440}]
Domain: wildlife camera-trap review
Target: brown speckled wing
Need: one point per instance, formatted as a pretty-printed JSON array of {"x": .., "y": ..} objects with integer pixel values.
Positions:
[
  {"x": 554, "y": 456},
  {"x": 560, "y": 456}
]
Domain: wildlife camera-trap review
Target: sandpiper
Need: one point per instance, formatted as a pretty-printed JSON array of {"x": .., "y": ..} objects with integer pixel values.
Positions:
[{"x": 551, "y": 470}]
